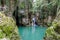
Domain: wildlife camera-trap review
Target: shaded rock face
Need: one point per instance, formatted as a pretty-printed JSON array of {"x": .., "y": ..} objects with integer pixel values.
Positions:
[
  {"x": 8, "y": 28},
  {"x": 53, "y": 32},
  {"x": 57, "y": 30}
]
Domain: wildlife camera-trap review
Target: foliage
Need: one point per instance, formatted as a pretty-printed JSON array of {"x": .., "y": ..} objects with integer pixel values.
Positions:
[
  {"x": 22, "y": 5},
  {"x": 8, "y": 28},
  {"x": 53, "y": 32}
]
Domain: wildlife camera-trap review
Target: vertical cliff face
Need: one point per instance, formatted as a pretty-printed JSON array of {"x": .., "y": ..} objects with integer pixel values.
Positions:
[{"x": 8, "y": 28}]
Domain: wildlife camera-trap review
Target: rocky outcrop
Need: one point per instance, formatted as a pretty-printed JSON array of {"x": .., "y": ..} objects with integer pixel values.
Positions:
[
  {"x": 53, "y": 32},
  {"x": 8, "y": 28}
]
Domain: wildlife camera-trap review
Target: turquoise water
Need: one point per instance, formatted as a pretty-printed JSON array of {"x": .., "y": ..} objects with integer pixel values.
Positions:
[{"x": 32, "y": 33}]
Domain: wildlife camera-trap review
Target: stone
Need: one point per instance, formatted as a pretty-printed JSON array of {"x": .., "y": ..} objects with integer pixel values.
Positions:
[{"x": 8, "y": 28}]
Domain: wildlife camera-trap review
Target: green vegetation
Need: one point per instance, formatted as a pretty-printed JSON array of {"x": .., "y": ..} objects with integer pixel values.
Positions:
[
  {"x": 44, "y": 9},
  {"x": 8, "y": 28},
  {"x": 53, "y": 32}
]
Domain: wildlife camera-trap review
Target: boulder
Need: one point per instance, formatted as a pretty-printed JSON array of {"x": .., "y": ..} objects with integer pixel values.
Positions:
[
  {"x": 53, "y": 32},
  {"x": 8, "y": 28}
]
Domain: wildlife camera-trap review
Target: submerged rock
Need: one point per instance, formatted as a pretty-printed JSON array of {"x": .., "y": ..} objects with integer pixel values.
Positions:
[{"x": 8, "y": 28}]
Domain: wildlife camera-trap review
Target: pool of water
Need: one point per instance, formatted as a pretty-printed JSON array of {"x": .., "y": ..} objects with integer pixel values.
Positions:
[{"x": 32, "y": 33}]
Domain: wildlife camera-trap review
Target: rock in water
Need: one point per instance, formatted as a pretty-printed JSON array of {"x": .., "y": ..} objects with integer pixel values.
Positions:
[{"x": 8, "y": 28}]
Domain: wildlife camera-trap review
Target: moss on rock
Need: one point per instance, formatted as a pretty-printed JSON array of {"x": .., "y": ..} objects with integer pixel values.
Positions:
[
  {"x": 53, "y": 32},
  {"x": 8, "y": 28}
]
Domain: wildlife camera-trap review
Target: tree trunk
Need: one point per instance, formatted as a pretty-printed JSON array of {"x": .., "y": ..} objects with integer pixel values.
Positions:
[{"x": 27, "y": 9}]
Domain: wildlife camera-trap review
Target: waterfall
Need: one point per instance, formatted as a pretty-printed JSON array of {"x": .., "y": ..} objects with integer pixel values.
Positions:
[{"x": 33, "y": 27}]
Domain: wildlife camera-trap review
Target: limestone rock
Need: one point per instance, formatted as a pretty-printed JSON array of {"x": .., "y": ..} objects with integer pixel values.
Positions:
[
  {"x": 8, "y": 28},
  {"x": 53, "y": 32}
]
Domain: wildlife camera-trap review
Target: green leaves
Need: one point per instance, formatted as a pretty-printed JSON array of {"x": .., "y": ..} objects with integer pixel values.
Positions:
[
  {"x": 8, "y": 27},
  {"x": 53, "y": 32},
  {"x": 22, "y": 5},
  {"x": 2, "y": 35}
]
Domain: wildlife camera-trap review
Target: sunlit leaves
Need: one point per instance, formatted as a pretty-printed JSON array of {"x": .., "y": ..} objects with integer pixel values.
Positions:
[{"x": 8, "y": 28}]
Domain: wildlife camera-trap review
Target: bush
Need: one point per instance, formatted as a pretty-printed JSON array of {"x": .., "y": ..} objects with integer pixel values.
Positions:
[
  {"x": 53, "y": 32},
  {"x": 8, "y": 28}
]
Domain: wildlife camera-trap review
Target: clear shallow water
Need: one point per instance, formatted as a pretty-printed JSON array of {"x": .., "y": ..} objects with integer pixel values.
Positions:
[{"x": 32, "y": 33}]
